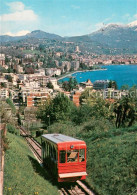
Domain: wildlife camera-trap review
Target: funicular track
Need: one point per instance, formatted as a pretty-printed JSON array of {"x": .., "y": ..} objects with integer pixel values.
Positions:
[
  {"x": 34, "y": 146},
  {"x": 76, "y": 188}
]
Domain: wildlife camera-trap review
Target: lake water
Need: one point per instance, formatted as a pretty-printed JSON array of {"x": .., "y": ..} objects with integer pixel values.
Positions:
[{"x": 122, "y": 74}]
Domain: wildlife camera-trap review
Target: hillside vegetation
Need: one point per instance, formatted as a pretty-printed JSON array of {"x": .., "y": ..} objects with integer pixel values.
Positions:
[
  {"x": 23, "y": 174},
  {"x": 112, "y": 161},
  {"x": 111, "y": 155},
  {"x": 110, "y": 132}
]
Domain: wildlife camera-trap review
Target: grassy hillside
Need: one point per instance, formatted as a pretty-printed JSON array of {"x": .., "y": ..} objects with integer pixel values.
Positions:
[
  {"x": 111, "y": 155},
  {"x": 112, "y": 162},
  {"x": 23, "y": 175}
]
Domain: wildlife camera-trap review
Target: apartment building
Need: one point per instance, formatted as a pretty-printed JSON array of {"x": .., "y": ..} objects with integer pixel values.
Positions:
[{"x": 36, "y": 98}]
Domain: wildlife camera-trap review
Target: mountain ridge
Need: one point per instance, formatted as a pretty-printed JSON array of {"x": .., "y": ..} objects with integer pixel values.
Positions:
[{"x": 123, "y": 37}]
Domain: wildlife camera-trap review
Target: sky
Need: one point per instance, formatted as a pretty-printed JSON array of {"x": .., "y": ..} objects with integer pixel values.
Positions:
[{"x": 64, "y": 17}]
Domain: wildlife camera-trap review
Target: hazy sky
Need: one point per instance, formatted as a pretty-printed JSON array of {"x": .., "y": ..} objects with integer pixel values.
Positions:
[{"x": 64, "y": 17}]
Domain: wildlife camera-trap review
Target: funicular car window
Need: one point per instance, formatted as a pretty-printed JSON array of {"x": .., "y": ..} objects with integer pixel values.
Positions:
[
  {"x": 81, "y": 155},
  {"x": 72, "y": 156},
  {"x": 62, "y": 156}
]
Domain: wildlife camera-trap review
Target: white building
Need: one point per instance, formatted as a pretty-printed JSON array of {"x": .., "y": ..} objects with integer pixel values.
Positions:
[
  {"x": 2, "y": 59},
  {"x": 40, "y": 72},
  {"x": 54, "y": 83},
  {"x": 4, "y": 94},
  {"x": 53, "y": 71}
]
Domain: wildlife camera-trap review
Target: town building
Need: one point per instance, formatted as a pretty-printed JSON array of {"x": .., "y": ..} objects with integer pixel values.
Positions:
[
  {"x": 75, "y": 98},
  {"x": 37, "y": 98},
  {"x": 54, "y": 83},
  {"x": 77, "y": 49},
  {"x": 100, "y": 84},
  {"x": 53, "y": 71},
  {"x": 4, "y": 93},
  {"x": 2, "y": 59},
  {"x": 87, "y": 84},
  {"x": 75, "y": 65}
]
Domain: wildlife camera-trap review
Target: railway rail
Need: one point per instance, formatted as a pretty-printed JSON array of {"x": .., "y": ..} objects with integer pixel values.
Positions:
[
  {"x": 77, "y": 188},
  {"x": 34, "y": 146}
]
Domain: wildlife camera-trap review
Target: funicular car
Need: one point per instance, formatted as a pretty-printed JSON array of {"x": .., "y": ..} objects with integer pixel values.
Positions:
[{"x": 65, "y": 156}]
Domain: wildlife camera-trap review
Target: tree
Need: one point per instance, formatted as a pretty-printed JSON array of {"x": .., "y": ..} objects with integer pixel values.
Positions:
[
  {"x": 29, "y": 70},
  {"x": 46, "y": 110},
  {"x": 6, "y": 113},
  {"x": 86, "y": 94},
  {"x": 75, "y": 82},
  {"x": 50, "y": 85},
  {"x": 41, "y": 47},
  {"x": 125, "y": 110},
  {"x": 3, "y": 85},
  {"x": 9, "y": 78},
  {"x": 83, "y": 66},
  {"x": 10, "y": 70},
  {"x": 70, "y": 85},
  {"x": 99, "y": 106},
  {"x": 81, "y": 114},
  {"x": 62, "y": 107},
  {"x": 112, "y": 84},
  {"x": 65, "y": 86},
  {"x": 58, "y": 109},
  {"x": 125, "y": 87},
  {"x": 10, "y": 103}
]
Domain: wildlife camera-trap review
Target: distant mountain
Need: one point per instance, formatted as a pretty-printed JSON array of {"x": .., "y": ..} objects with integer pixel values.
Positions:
[
  {"x": 42, "y": 35},
  {"x": 111, "y": 38},
  {"x": 84, "y": 38},
  {"x": 37, "y": 34},
  {"x": 7, "y": 38},
  {"x": 117, "y": 36}
]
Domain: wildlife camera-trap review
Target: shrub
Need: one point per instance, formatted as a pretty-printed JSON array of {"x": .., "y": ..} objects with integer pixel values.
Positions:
[
  {"x": 9, "y": 101},
  {"x": 12, "y": 129}
]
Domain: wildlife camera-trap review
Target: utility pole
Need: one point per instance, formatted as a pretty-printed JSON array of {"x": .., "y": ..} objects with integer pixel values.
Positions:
[{"x": 49, "y": 119}]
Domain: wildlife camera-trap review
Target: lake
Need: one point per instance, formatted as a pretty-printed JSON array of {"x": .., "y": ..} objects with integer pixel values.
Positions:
[{"x": 122, "y": 74}]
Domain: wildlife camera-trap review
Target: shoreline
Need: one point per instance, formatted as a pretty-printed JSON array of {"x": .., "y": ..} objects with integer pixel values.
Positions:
[{"x": 78, "y": 71}]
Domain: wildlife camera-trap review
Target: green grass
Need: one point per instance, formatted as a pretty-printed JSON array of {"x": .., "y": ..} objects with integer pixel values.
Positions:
[
  {"x": 38, "y": 139},
  {"x": 111, "y": 155},
  {"x": 23, "y": 175},
  {"x": 112, "y": 164}
]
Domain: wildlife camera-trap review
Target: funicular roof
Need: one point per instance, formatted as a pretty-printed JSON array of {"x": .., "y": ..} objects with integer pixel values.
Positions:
[{"x": 59, "y": 138}]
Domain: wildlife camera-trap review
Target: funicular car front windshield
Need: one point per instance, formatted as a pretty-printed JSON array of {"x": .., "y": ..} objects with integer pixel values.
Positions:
[{"x": 72, "y": 156}]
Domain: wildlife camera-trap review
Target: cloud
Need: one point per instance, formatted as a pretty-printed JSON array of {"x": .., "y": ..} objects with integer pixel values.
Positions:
[
  {"x": 63, "y": 16},
  {"x": 20, "y": 33},
  {"x": 99, "y": 25},
  {"x": 25, "y": 15},
  {"x": 75, "y": 6},
  {"x": 16, "y": 6},
  {"x": 135, "y": 16},
  {"x": 129, "y": 18},
  {"x": 132, "y": 24},
  {"x": 127, "y": 15},
  {"x": 18, "y": 13}
]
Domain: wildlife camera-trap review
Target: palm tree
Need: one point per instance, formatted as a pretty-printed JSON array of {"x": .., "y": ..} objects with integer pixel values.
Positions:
[{"x": 125, "y": 110}]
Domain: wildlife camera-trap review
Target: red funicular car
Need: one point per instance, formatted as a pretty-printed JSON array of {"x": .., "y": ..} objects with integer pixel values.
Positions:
[{"x": 65, "y": 156}]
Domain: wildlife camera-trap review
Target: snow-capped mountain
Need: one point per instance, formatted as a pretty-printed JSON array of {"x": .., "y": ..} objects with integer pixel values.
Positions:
[{"x": 117, "y": 36}]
